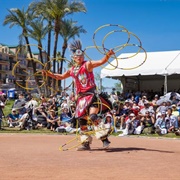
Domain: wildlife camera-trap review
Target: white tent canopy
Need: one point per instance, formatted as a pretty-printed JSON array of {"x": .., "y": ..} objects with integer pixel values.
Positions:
[{"x": 163, "y": 63}]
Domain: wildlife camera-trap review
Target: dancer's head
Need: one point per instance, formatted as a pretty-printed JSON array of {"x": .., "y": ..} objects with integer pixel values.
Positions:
[{"x": 78, "y": 53}]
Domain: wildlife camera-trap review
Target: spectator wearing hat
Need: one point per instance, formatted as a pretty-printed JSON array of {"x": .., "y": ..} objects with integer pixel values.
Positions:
[
  {"x": 108, "y": 118},
  {"x": 109, "y": 121},
  {"x": 13, "y": 118},
  {"x": 142, "y": 101},
  {"x": 131, "y": 124},
  {"x": 161, "y": 124},
  {"x": 147, "y": 107},
  {"x": 175, "y": 111}
]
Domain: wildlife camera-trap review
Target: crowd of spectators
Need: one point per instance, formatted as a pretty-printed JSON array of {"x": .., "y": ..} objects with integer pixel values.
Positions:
[
  {"x": 140, "y": 114},
  {"x": 55, "y": 113},
  {"x": 132, "y": 113}
]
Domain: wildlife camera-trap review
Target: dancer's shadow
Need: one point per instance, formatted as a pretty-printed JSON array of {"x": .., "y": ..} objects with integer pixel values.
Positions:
[{"x": 129, "y": 149}]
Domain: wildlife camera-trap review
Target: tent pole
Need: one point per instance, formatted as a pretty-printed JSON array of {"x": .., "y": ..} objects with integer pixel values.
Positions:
[{"x": 165, "y": 84}]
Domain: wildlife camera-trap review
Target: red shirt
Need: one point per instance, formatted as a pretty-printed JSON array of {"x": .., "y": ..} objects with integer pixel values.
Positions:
[{"x": 84, "y": 80}]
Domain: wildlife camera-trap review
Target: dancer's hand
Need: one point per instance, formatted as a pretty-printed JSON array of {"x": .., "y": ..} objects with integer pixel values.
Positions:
[
  {"x": 44, "y": 72},
  {"x": 110, "y": 52}
]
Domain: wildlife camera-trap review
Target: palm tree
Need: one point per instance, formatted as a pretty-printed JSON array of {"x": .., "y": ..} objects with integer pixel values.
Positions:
[
  {"x": 38, "y": 32},
  {"x": 39, "y": 11},
  {"x": 56, "y": 10},
  {"x": 17, "y": 17},
  {"x": 67, "y": 32}
]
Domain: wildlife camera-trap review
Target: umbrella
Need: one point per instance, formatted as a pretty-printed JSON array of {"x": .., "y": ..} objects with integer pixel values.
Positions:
[
  {"x": 168, "y": 97},
  {"x": 31, "y": 104},
  {"x": 19, "y": 104}
]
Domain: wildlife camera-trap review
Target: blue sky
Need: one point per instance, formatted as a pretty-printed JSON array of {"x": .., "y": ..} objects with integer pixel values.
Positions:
[{"x": 155, "y": 22}]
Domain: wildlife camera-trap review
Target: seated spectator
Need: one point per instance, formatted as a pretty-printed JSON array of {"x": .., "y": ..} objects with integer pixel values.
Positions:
[
  {"x": 13, "y": 118},
  {"x": 20, "y": 101},
  {"x": 72, "y": 99},
  {"x": 162, "y": 107},
  {"x": 174, "y": 100},
  {"x": 52, "y": 120},
  {"x": 178, "y": 131},
  {"x": 27, "y": 121},
  {"x": 161, "y": 124},
  {"x": 142, "y": 101},
  {"x": 73, "y": 119},
  {"x": 168, "y": 104},
  {"x": 147, "y": 122},
  {"x": 109, "y": 122},
  {"x": 28, "y": 97},
  {"x": 43, "y": 100},
  {"x": 127, "y": 109},
  {"x": 175, "y": 111},
  {"x": 64, "y": 104},
  {"x": 172, "y": 121},
  {"x": 53, "y": 107},
  {"x": 154, "y": 102},
  {"x": 135, "y": 108},
  {"x": 41, "y": 116},
  {"x": 131, "y": 124},
  {"x": 52, "y": 99},
  {"x": 65, "y": 123},
  {"x": 147, "y": 108},
  {"x": 65, "y": 116}
]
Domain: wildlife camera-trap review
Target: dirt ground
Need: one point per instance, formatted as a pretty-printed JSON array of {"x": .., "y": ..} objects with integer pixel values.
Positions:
[{"x": 33, "y": 156}]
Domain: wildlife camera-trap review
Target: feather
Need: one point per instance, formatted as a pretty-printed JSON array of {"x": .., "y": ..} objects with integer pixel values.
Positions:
[{"x": 75, "y": 45}]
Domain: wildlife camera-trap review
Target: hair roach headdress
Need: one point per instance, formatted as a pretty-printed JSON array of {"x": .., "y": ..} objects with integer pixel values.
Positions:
[{"x": 76, "y": 48}]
